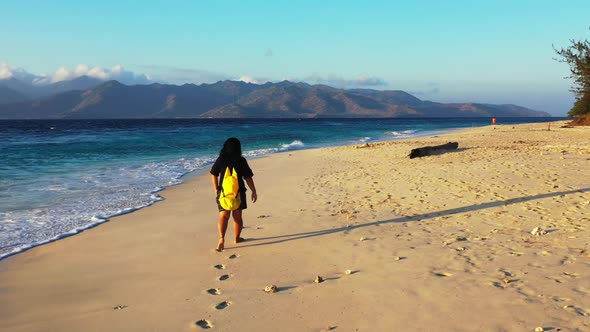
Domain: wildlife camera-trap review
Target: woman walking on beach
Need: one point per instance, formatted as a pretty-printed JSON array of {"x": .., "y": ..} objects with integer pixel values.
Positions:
[{"x": 230, "y": 159}]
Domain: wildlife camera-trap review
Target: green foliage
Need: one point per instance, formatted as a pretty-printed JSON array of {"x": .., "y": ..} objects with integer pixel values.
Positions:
[
  {"x": 581, "y": 107},
  {"x": 577, "y": 56}
]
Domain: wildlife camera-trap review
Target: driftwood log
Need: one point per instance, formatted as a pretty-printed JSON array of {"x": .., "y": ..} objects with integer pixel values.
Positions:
[{"x": 430, "y": 150}]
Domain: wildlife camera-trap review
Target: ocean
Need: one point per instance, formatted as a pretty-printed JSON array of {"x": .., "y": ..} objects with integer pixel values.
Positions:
[{"x": 60, "y": 177}]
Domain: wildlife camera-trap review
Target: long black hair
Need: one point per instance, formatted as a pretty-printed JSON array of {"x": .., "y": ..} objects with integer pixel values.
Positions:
[{"x": 232, "y": 149}]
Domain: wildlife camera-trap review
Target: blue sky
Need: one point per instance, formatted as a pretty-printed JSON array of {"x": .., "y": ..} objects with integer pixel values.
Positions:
[{"x": 446, "y": 51}]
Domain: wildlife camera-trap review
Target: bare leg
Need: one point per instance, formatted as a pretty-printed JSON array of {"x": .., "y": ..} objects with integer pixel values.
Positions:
[
  {"x": 238, "y": 224},
  {"x": 222, "y": 227}
]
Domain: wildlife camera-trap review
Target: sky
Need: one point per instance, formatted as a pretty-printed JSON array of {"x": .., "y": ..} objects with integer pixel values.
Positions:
[{"x": 483, "y": 51}]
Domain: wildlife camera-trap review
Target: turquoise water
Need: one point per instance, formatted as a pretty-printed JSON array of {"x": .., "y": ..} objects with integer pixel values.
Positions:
[{"x": 58, "y": 177}]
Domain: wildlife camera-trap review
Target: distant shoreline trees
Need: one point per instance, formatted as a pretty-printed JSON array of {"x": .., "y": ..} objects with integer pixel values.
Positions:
[{"x": 577, "y": 56}]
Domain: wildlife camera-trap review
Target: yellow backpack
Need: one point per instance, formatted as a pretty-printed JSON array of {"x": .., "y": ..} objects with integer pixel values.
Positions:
[{"x": 229, "y": 198}]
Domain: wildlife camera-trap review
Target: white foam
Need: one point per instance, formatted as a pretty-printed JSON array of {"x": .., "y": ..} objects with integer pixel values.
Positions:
[
  {"x": 97, "y": 219},
  {"x": 364, "y": 139},
  {"x": 294, "y": 145},
  {"x": 56, "y": 188},
  {"x": 403, "y": 134},
  {"x": 260, "y": 152},
  {"x": 297, "y": 144}
]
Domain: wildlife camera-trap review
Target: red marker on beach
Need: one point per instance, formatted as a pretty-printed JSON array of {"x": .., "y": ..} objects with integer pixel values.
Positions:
[{"x": 493, "y": 121}]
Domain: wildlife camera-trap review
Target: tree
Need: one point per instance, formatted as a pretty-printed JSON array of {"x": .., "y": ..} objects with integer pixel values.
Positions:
[{"x": 577, "y": 56}]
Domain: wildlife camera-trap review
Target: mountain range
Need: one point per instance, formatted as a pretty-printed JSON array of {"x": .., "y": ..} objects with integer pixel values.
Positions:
[{"x": 90, "y": 98}]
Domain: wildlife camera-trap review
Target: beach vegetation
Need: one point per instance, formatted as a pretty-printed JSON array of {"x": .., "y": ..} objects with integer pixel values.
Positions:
[{"x": 577, "y": 56}]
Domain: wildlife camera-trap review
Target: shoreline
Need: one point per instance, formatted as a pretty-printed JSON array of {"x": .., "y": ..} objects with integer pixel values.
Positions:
[
  {"x": 424, "y": 239},
  {"x": 185, "y": 178}
]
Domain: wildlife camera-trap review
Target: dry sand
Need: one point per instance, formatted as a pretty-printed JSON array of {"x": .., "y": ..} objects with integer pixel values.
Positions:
[{"x": 435, "y": 243}]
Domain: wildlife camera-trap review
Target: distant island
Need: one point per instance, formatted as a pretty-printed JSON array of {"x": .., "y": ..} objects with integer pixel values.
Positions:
[{"x": 88, "y": 98}]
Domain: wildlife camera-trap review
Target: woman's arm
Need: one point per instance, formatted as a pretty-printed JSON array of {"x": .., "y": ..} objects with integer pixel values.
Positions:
[
  {"x": 215, "y": 181},
  {"x": 250, "y": 183}
]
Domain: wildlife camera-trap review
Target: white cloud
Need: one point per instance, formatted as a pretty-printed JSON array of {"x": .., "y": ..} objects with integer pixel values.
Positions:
[
  {"x": 117, "y": 72},
  {"x": 249, "y": 79},
  {"x": 5, "y": 71},
  {"x": 173, "y": 75}
]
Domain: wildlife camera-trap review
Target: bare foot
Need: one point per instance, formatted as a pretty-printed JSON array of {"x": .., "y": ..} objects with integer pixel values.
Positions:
[
  {"x": 220, "y": 245},
  {"x": 240, "y": 239}
]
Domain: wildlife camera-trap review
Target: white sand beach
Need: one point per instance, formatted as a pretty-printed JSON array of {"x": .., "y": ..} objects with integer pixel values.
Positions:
[{"x": 438, "y": 243}]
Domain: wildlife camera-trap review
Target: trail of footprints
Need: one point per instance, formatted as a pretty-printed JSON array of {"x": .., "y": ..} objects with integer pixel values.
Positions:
[
  {"x": 509, "y": 279},
  {"x": 207, "y": 324}
]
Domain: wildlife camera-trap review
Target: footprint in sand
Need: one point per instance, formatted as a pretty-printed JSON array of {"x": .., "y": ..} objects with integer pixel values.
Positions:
[
  {"x": 219, "y": 266},
  {"x": 234, "y": 256},
  {"x": 442, "y": 274},
  {"x": 204, "y": 324},
  {"x": 499, "y": 284},
  {"x": 556, "y": 279},
  {"x": 214, "y": 291},
  {"x": 223, "y": 277},
  {"x": 577, "y": 310},
  {"x": 506, "y": 272},
  {"x": 568, "y": 260},
  {"x": 560, "y": 299},
  {"x": 222, "y": 305},
  {"x": 527, "y": 292},
  {"x": 582, "y": 290}
]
